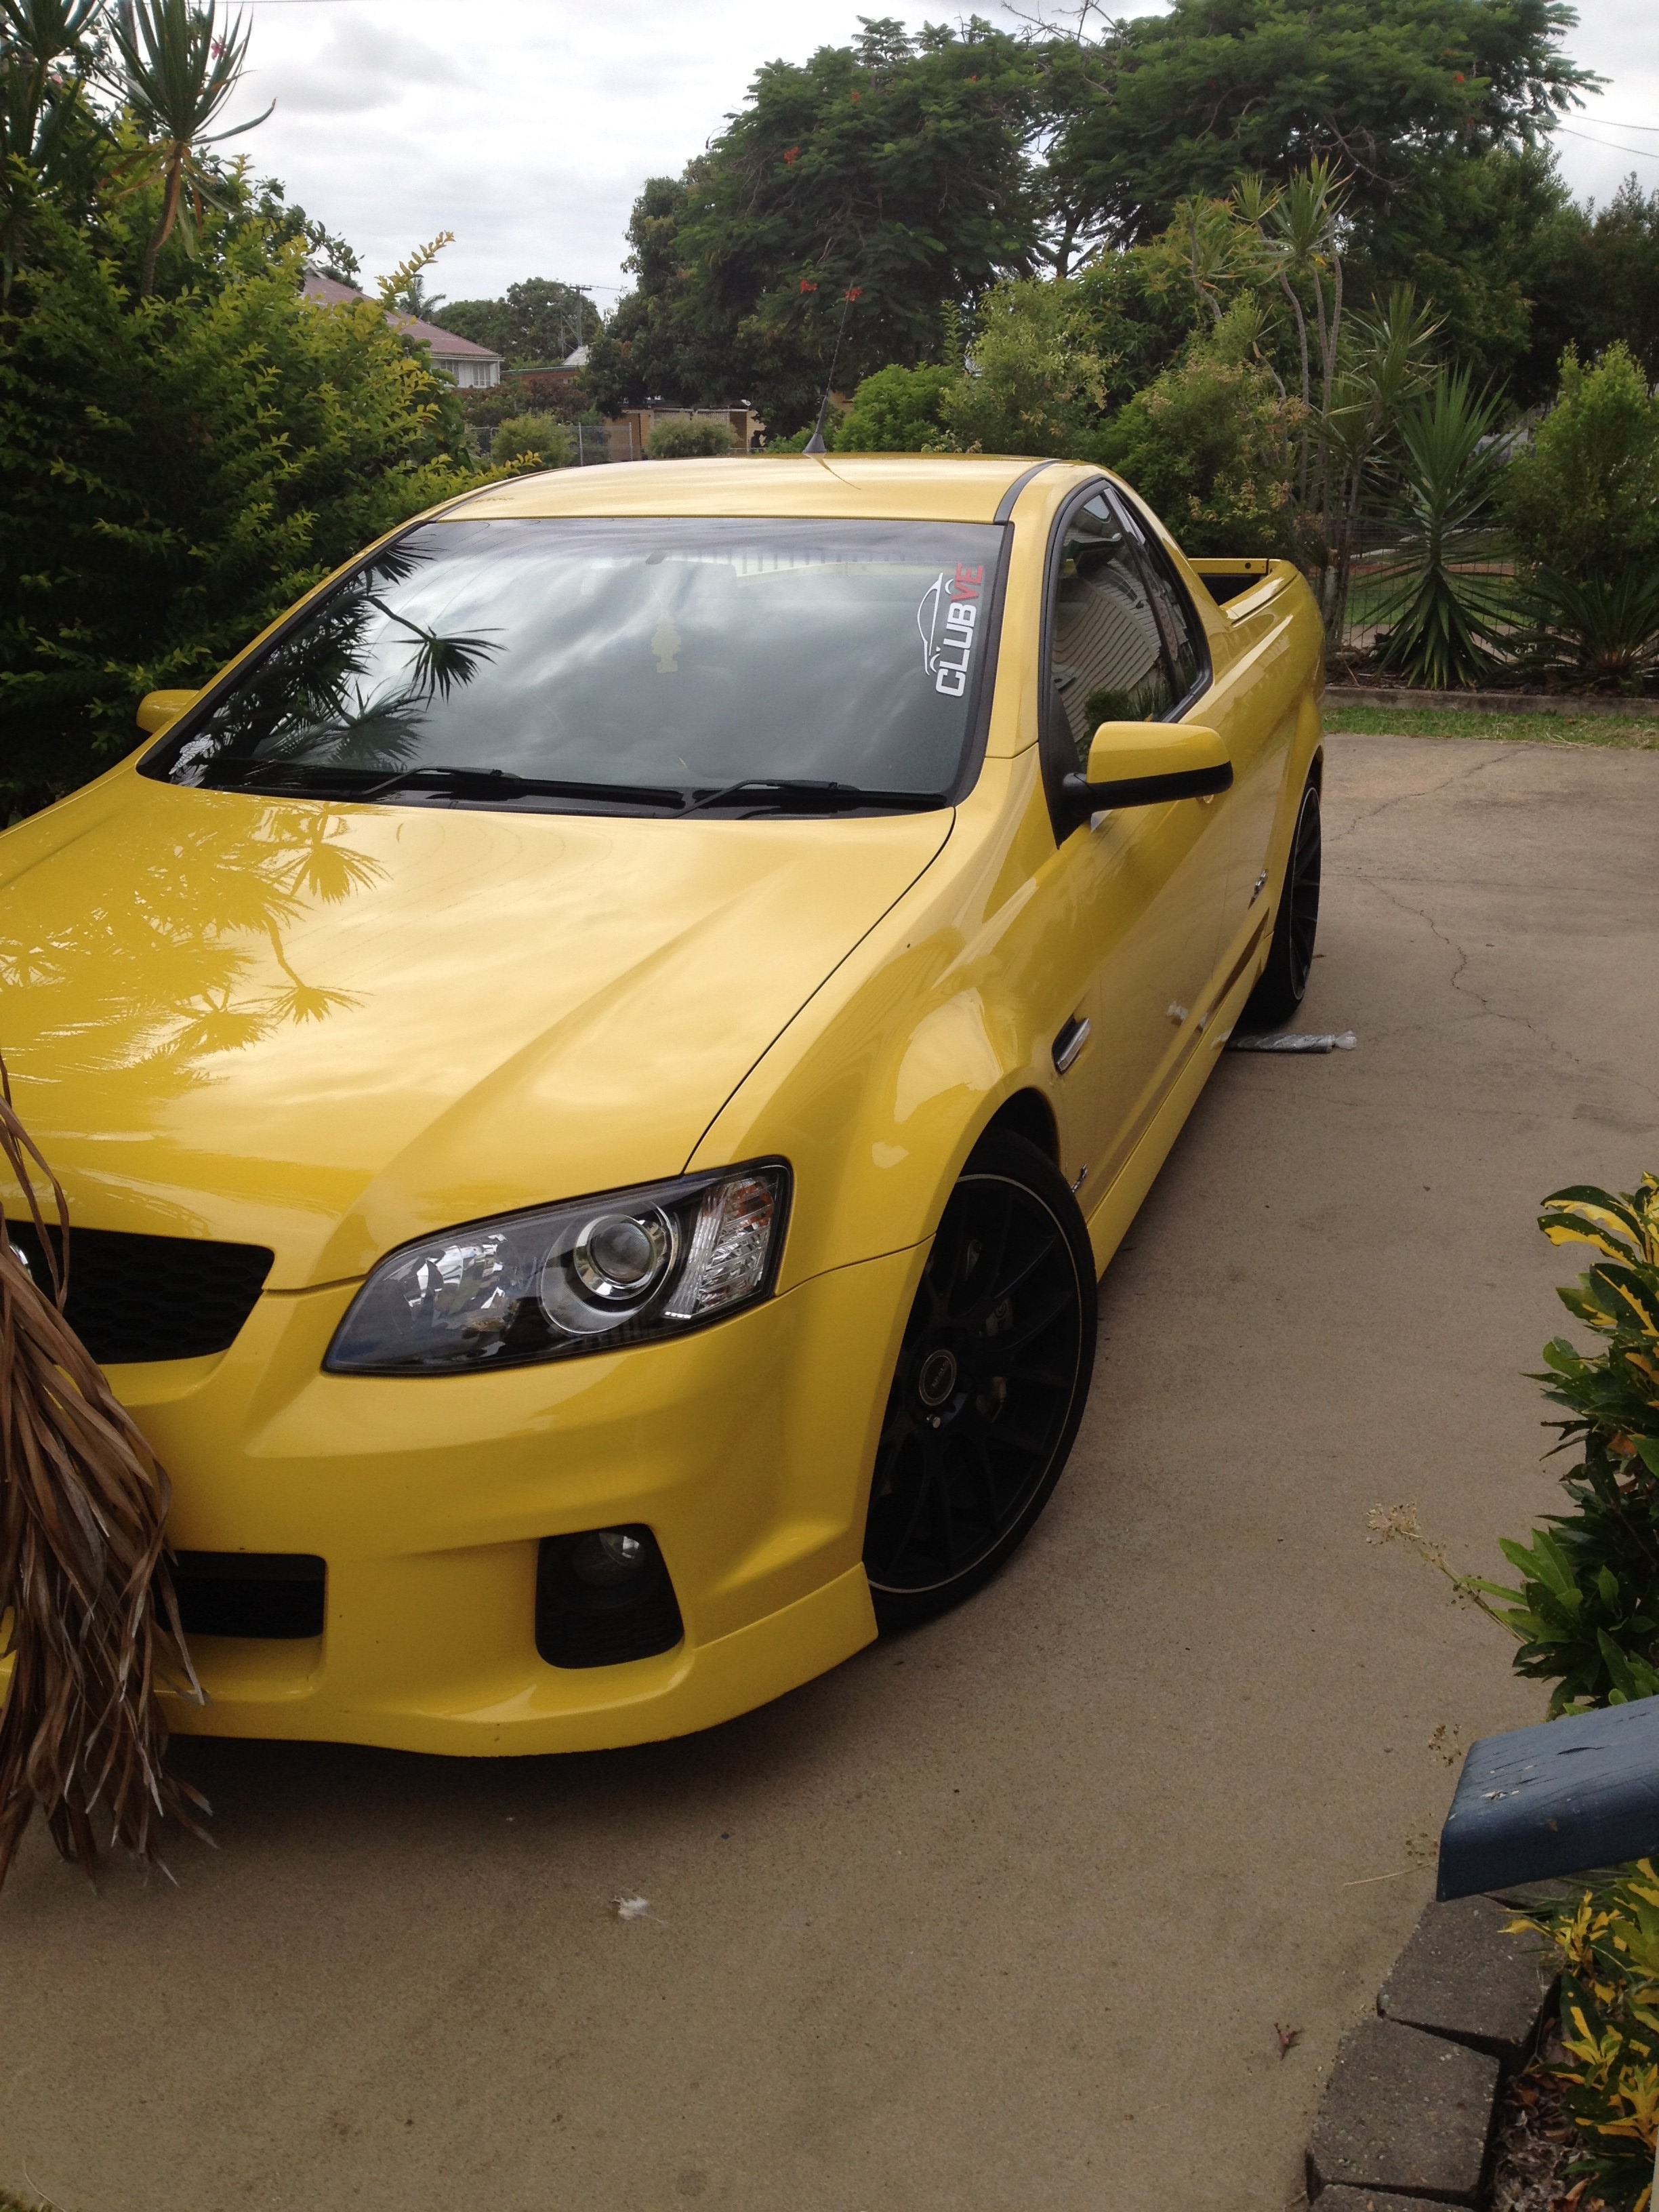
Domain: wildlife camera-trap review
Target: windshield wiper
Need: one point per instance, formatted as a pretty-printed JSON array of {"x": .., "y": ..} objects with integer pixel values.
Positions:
[
  {"x": 472, "y": 783},
  {"x": 812, "y": 795}
]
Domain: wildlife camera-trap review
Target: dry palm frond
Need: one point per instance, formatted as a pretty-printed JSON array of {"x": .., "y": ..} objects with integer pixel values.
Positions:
[{"x": 82, "y": 1570}]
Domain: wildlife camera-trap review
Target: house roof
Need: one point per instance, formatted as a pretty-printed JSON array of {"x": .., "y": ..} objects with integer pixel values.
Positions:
[{"x": 444, "y": 344}]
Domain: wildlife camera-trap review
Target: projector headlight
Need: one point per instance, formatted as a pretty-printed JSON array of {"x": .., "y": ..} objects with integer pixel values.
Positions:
[{"x": 591, "y": 1276}]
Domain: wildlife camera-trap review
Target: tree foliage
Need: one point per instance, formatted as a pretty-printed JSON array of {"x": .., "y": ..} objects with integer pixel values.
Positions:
[
  {"x": 533, "y": 325},
  {"x": 1167, "y": 105},
  {"x": 894, "y": 171}
]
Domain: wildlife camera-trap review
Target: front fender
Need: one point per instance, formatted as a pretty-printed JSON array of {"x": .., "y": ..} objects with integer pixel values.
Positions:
[{"x": 878, "y": 1089}]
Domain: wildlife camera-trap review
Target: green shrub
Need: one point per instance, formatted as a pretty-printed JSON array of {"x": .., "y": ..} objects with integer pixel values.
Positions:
[
  {"x": 1588, "y": 1608},
  {"x": 1584, "y": 499},
  {"x": 698, "y": 437},
  {"x": 1607, "y": 1936},
  {"x": 1592, "y": 628},
  {"x": 1035, "y": 384},
  {"x": 179, "y": 469},
  {"x": 1586, "y": 1613},
  {"x": 526, "y": 443},
  {"x": 896, "y": 410},
  {"x": 1209, "y": 446}
]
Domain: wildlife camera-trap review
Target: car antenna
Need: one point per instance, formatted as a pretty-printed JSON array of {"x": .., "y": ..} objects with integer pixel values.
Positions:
[{"x": 815, "y": 445}]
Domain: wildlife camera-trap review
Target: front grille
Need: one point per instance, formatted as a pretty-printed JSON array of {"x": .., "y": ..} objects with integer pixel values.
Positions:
[
  {"x": 151, "y": 1297},
  {"x": 279, "y": 1595},
  {"x": 577, "y": 1625}
]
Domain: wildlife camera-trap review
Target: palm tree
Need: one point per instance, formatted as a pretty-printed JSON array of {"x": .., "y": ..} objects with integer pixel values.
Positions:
[{"x": 179, "y": 69}]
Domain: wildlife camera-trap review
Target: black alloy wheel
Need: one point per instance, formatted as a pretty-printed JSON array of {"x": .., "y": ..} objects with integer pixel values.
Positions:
[
  {"x": 992, "y": 1379},
  {"x": 1289, "y": 958}
]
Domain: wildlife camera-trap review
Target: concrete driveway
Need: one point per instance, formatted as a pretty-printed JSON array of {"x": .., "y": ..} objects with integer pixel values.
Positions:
[{"x": 1002, "y": 1916}]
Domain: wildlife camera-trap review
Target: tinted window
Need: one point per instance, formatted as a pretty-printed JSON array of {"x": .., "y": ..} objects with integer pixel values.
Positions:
[
  {"x": 676, "y": 655},
  {"x": 1107, "y": 660},
  {"x": 1183, "y": 638}
]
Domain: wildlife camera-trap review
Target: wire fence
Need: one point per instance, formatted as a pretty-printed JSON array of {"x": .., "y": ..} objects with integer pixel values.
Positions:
[{"x": 1381, "y": 583}]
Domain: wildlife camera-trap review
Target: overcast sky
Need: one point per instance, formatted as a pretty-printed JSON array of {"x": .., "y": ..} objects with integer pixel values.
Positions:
[{"x": 527, "y": 126}]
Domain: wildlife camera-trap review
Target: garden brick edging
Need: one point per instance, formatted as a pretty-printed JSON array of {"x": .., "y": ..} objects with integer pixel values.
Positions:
[
  {"x": 1494, "y": 703},
  {"x": 1406, "y": 2120}
]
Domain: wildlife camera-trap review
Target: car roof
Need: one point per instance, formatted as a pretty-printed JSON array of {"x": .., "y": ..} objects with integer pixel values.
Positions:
[{"x": 896, "y": 487}]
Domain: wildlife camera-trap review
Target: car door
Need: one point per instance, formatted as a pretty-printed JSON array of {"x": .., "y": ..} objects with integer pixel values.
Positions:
[{"x": 1148, "y": 882}]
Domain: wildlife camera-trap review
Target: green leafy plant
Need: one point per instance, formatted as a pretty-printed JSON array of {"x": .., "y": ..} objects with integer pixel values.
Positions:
[
  {"x": 179, "y": 471},
  {"x": 1585, "y": 1615},
  {"x": 1595, "y": 630},
  {"x": 1033, "y": 382},
  {"x": 1440, "y": 592},
  {"x": 1583, "y": 499},
  {"x": 1607, "y": 1938},
  {"x": 896, "y": 410},
  {"x": 1212, "y": 443},
  {"x": 689, "y": 439},
  {"x": 532, "y": 442}
]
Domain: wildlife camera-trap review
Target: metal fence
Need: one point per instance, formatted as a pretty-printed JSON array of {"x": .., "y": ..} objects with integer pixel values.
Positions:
[{"x": 1378, "y": 589}]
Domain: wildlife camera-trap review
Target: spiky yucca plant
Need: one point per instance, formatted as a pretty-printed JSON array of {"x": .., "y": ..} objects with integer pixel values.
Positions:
[
  {"x": 179, "y": 67},
  {"x": 1441, "y": 600}
]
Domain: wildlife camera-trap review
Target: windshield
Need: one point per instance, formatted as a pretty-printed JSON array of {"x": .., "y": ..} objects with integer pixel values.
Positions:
[{"x": 632, "y": 664}]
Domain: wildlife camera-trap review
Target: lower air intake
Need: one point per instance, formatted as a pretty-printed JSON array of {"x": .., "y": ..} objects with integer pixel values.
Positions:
[
  {"x": 630, "y": 1613},
  {"x": 278, "y": 1596}
]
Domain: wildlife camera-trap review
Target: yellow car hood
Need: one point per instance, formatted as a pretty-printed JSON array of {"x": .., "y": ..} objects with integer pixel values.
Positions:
[{"x": 329, "y": 1029}]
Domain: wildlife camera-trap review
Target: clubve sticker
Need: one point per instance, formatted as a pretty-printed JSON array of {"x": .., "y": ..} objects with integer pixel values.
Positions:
[{"x": 948, "y": 620}]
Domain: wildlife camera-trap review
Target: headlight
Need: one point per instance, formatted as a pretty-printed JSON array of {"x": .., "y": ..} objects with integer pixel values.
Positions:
[{"x": 608, "y": 1271}]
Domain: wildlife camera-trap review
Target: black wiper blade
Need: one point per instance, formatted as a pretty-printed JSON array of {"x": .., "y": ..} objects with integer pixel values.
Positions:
[
  {"x": 472, "y": 783},
  {"x": 811, "y": 795}
]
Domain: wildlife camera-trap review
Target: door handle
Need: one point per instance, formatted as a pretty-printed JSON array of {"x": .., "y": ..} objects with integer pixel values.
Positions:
[{"x": 1070, "y": 1041}]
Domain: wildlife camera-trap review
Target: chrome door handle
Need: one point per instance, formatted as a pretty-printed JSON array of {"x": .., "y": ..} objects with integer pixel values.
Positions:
[
  {"x": 1070, "y": 1041},
  {"x": 1260, "y": 882}
]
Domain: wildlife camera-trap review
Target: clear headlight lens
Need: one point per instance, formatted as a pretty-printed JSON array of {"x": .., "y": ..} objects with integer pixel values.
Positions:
[{"x": 605, "y": 1272}]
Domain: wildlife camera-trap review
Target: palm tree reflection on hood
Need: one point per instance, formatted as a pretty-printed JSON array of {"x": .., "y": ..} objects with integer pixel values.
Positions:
[{"x": 156, "y": 974}]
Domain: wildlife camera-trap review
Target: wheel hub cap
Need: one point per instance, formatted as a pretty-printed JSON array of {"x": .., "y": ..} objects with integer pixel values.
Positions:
[{"x": 937, "y": 1378}]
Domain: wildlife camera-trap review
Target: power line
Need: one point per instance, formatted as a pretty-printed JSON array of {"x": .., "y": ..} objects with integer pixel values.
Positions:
[{"x": 1609, "y": 145}]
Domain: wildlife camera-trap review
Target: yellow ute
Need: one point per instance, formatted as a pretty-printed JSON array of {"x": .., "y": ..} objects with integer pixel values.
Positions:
[{"x": 597, "y": 1066}]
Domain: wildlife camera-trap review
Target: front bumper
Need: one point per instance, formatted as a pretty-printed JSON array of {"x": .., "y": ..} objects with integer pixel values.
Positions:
[{"x": 745, "y": 1447}]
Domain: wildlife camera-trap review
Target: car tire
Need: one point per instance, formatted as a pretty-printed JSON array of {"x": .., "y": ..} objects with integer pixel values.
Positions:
[
  {"x": 992, "y": 1376},
  {"x": 1279, "y": 989}
]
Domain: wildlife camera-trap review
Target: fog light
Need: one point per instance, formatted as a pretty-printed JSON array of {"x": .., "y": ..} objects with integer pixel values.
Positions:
[{"x": 606, "y": 1557}]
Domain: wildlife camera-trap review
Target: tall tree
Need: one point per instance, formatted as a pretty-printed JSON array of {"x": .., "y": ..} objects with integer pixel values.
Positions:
[
  {"x": 534, "y": 325},
  {"x": 1165, "y": 105},
  {"x": 876, "y": 187}
]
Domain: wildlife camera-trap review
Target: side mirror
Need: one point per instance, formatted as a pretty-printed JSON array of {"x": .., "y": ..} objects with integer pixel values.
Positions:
[
  {"x": 156, "y": 710},
  {"x": 1146, "y": 763}
]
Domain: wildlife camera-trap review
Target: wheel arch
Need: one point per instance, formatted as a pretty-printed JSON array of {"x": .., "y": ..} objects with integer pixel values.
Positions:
[{"x": 1025, "y": 1113}]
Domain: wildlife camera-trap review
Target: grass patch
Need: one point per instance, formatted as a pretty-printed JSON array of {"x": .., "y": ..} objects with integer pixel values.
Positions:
[{"x": 1536, "y": 726}]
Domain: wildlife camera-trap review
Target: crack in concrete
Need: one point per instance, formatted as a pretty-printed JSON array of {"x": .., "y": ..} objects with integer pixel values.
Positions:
[
  {"x": 1485, "y": 1005},
  {"x": 1498, "y": 752}
]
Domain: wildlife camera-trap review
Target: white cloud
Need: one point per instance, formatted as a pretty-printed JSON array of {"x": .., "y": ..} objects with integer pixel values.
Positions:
[
  {"x": 362, "y": 64},
  {"x": 528, "y": 126}
]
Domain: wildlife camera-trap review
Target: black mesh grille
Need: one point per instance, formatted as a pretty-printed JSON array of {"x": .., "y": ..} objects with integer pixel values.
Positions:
[
  {"x": 152, "y": 1297},
  {"x": 275, "y": 1595},
  {"x": 577, "y": 1625}
]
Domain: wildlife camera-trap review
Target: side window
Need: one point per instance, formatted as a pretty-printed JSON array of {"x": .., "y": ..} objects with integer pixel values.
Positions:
[
  {"x": 1109, "y": 660},
  {"x": 1183, "y": 633}
]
